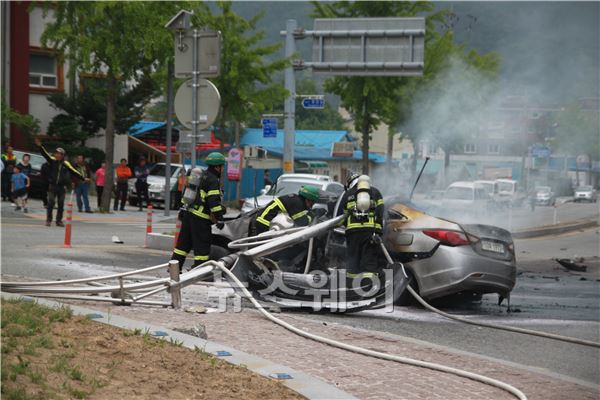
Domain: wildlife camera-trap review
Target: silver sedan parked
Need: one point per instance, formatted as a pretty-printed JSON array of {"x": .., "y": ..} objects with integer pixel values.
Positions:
[{"x": 585, "y": 193}]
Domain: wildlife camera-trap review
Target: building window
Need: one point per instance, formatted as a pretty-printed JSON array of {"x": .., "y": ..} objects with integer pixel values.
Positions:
[
  {"x": 470, "y": 148},
  {"x": 45, "y": 71},
  {"x": 493, "y": 149},
  {"x": 432, "y": 148}
]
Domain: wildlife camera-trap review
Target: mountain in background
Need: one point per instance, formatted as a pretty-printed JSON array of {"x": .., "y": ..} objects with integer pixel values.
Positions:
[{"x": 550, "y": 50}]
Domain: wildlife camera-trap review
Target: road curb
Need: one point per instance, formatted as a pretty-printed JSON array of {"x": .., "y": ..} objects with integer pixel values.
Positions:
[
  {"x": 554, "y": 229},
  {"x": 300, "y": 382}
]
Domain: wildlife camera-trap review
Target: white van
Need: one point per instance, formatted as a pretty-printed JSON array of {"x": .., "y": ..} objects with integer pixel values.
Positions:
[{"x": 468, "y": 197}]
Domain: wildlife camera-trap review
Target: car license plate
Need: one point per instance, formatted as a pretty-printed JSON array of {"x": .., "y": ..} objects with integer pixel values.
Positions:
[{"x": 492, "y": 246}]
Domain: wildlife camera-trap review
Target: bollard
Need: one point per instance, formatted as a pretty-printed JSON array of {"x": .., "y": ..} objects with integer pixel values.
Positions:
[
  {"x": 148, "y": 223},
  {"x": 177, "y": 229},
  {"x": 555, "y": 214},
  {"x": 174, "y": 287},
  {"x": 68, "y": 224}
]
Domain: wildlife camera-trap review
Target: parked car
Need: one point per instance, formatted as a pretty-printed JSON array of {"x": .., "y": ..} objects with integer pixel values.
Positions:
[
  {"x": 585, "y": 193},
  {"x": 37, "y": 186},
  {"x": 507, "y": 193},
  {"x": 465, "y": 198},
  {"x": 544, "y": 196},
  {"x": 488, "y": 186},
  {"x": 156, "y": 188},
  {"x": 441, "y": 257},
  {"x": 291, "y": 183}
]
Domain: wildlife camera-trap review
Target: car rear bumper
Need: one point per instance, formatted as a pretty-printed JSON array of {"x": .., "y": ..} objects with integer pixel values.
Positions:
[{"x": 456, "y": 269}]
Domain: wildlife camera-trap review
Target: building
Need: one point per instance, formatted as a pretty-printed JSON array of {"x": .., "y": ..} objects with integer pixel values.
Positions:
[
  {"x": 31, "y": 73},
  {"x": 313, "y": 152}
]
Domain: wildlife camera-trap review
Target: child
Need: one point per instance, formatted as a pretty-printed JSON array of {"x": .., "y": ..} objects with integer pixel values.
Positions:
[{"x": 20, "y": 184}]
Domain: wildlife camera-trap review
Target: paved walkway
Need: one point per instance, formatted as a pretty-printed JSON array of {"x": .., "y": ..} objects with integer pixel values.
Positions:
[{"x": 361, "y": 376}]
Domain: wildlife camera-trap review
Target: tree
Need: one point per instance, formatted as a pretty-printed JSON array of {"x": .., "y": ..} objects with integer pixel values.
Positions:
[
  {"x": 326, "y": 119},
  {"x": 26, "y": 123},
  {"x": 245, "y": 80},
  {"x": 122, "y": 41},
  {"x": 370, "y": 99},
  {"x": 577, "y": 132}
]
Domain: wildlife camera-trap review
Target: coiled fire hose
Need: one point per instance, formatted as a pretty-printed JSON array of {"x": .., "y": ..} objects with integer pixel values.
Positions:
[{"x": 384, "y": 356}]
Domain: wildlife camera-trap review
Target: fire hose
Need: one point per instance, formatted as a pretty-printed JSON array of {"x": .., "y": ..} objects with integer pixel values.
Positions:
[{"x": 372, "y": 353}]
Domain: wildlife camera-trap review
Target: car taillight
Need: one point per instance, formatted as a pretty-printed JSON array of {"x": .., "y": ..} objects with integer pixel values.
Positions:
[{"x": 450, "y": 238}]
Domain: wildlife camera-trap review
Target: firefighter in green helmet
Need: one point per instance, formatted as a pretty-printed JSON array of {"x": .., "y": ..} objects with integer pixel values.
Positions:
[
  {"x": 296, "y": 206},
  {"x": 201, "y": 207}
]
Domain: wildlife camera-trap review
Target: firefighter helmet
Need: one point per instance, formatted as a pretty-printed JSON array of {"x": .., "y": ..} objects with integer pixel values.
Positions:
[
  {"x": 309, "y": 192},
  {"x": 215, "y": 158}
]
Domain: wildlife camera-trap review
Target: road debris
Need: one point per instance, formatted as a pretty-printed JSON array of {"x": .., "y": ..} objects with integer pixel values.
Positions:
[{"x": 572, "y": 265}]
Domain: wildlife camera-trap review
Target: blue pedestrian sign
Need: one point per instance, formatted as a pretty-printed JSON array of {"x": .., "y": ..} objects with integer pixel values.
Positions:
[
  {"x": 540, "y": 152},
  {"x": 269, "y": 127},
  {"x": 314, "y": 103}
]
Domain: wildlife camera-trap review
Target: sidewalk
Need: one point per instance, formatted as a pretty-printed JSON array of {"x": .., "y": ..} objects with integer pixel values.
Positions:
[{"x": 361, "y": 376}]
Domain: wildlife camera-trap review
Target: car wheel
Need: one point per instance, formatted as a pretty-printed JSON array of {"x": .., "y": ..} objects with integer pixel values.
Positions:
[{"x": 406, "y": 298}]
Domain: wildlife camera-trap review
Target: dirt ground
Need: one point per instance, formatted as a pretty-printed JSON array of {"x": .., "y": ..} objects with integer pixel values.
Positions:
[{"x": 73, "y": 357}]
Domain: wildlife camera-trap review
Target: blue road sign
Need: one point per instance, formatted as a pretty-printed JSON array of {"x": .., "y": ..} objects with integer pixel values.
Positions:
[
  {"x": 540, "y": 152},
  {"x": 269, "y": 127},
  {"x": 313, "y": 103}
]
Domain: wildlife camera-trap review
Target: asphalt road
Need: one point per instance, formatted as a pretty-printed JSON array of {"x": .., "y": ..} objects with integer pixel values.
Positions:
[{"x": 546, "y": 298}]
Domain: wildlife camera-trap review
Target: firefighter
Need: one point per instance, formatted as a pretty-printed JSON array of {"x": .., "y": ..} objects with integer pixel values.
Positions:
[
  {"x": 363, "y": 206},
  {"x": 296, "y": 206},
  {"x": 199, "y": 211},
  {"x": 59, "y": 178}
]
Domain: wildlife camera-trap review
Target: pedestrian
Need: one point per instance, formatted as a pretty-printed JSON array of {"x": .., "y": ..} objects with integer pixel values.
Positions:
[
  {"x": 198, "y": 216},
  {"x": 25, "y": 165},
  {"x": 267, "y": 178},
  {"x": 141, "y": 182},
  {"x": 9, "y": 160},
  {"x": 20, "y": 183},
  {"x": 296, "y": 206},
  {"x": 100, "y": 176},
  {"x": 59, "y": 177},
  {"x": 363, "y": 206},
  {"x": 45, "y": 178},
  {"x": 82, "y": 186},
  {"x": 180, "y": 185},
  {"x": 123, "y": 173}
]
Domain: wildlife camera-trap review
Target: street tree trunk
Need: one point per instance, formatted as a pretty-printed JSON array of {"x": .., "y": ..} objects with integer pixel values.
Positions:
[
  {"x": 109, "y": 135},
  {"x": 365, "y": 138},
  {"x": 390, "y": 148},
  {"x": 222, "y": 128},
  {"x": 446, "y": 164}
]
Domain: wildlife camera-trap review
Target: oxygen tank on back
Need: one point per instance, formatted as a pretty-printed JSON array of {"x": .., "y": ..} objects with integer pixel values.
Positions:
[
  {"x": 192, "y": 188},
  {"x": 363, "y": 195}
]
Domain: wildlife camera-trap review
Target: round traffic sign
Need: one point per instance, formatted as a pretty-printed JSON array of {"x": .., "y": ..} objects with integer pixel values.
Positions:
[{"x": 209, "y": 101}]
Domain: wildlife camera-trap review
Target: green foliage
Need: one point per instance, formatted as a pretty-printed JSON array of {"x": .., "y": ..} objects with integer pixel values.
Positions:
[
  {"x": 577, "y": 131},
  {"x": 28, "y": 124},
  {"x": 372, "y": 100},
  {"x": 245, "y": 79},
  {"x": 327, "y": 119}
]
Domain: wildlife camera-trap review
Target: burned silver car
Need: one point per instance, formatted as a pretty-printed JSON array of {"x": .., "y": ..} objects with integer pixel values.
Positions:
[{"x": 441, "y": 257}]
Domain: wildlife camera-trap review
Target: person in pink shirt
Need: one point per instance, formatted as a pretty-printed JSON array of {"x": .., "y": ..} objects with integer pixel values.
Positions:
[{"x": 100, "y": 181}]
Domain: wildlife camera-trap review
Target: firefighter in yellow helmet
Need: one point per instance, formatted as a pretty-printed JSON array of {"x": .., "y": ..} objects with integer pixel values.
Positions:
[{"x": 201, "y": 207}]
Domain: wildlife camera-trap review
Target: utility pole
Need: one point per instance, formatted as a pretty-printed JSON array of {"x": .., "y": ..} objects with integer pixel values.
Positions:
[
  {"x": 195, "y": 86},
  {"x": 290, "y": 102},
  {"x": 170, "y": 72}
]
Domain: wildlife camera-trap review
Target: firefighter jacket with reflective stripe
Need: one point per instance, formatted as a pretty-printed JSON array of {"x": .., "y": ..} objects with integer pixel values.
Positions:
[
  {"x": 373, "y": 220},
  {"x": 290, "y": 204},
  {"x": 59, "y": 172},
  {"x": 209, "y": 197}
]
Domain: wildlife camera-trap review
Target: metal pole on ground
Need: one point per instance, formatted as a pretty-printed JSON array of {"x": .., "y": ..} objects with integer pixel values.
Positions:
[
  {"x": 148, "y": 223},
  {"x": 174, "y": 288}
]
